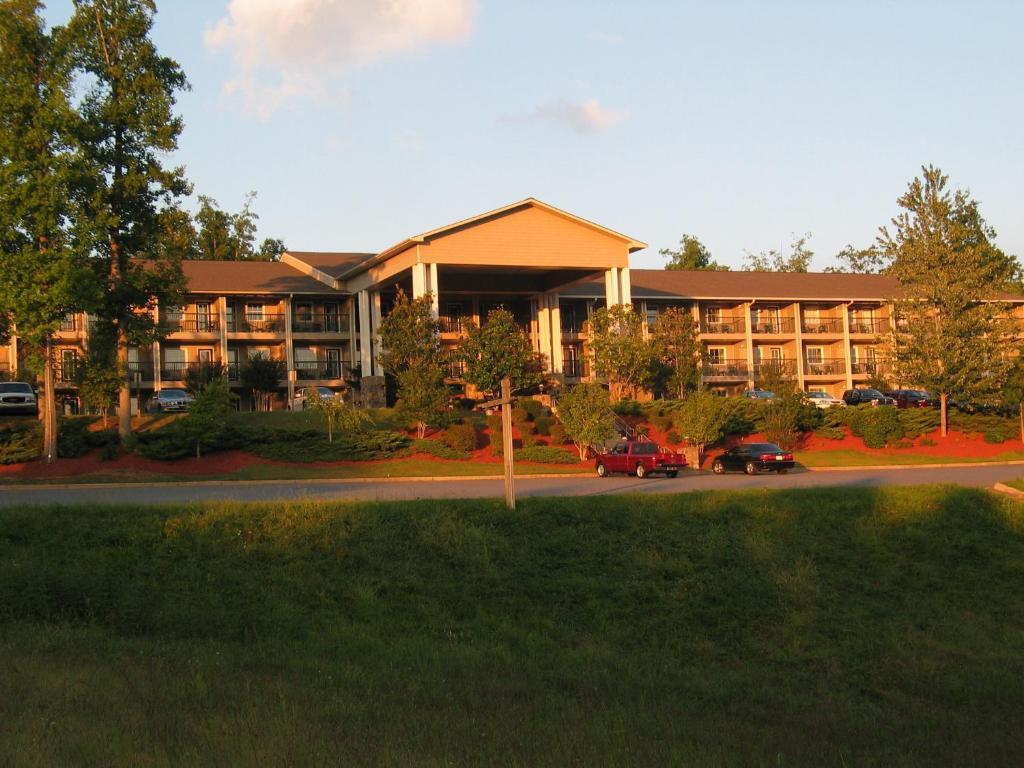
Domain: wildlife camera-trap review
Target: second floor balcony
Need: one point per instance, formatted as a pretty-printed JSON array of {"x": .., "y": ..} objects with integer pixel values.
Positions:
[
  {"x": 823, "y": 325},
  {"x": 311, "y": 370},
  {"x": 829, "y": 366},
  {"x": 314, "y": 323},
  {"x": 253, "y": 323},
  {"x": 191, "y": 323},
  {"x": 776, "y": 366},
  {"x": 732, "y": 369},
  {"x": 867, "y": 367},
  {"x": 772, "y": 325},
  {"x": 723, "y": 324},
  {"x": 870, "y": 326}
]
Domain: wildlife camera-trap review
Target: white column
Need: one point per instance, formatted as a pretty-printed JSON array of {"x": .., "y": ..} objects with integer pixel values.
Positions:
[
  {"x": 13, "y": 346},
  {"x": 750, "y": 343},
  {"x": 611, "y": 287},
  {"x": 419, "y": 280},
  {"x": 557, "y": 363},
  {"x": 435, "y": 293},
  {"x": 847, "y": 351},
  {"x": 544, "y": 331},
  {"x": 365, "y": 334},
  {"x": 350, "y": 307},
  {"x": 222, "y": 314},
  {"x": 625, "y": 287},
  {"x": 289, "y": 351},
  {"x": 375, "y": 331},
  {"x": 798, "y": 313}
]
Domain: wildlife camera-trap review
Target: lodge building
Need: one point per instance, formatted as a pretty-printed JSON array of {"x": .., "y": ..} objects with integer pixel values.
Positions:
[{"x": 319, "y": 312}]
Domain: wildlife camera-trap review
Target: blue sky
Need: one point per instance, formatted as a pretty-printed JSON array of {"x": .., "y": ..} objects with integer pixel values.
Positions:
[{"x": 739, "y": 122}]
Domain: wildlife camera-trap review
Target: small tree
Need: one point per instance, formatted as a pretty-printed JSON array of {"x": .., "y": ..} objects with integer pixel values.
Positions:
[
  {"x": 701, "y": 420},
  {"x": 499, "y": 349},
  {"x": 774, "y": 376},
  {"x": 98, "y": 377},
  {"x": 621, "y": 354},
  {"x": 261, "y": 375},
  {"x": 798, "y": 259},
  {"x": 676, "y": 345},
  {"x": 423, "y": 396},
  {"x": 585, "y": 412},
  {"x": 339, "y": 414},
  {"x": 1013, "y": 390},
  {"x": 207, "y": 418},
  {"x": 408, "y": 333},
  {"x": 782, "y": 420}
]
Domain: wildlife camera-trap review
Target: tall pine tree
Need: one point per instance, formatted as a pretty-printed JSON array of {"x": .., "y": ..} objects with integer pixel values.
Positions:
[
  {"x": 128, "y": 129},
  {"x": 41, "y": 274}
]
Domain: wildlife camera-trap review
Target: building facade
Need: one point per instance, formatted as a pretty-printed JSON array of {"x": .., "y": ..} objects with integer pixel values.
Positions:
[{"x": 319, "y": 313}]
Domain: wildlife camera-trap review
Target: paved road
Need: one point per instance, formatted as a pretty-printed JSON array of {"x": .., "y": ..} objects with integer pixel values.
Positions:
[{"x": 476, "y": 488}]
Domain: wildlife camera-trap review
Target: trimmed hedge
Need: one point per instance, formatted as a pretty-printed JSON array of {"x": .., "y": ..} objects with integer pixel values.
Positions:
[
  {"x": 74, "y": 438},
  {"x": 21, "y": 443},
  {"x": 460, "y": 437},
  {"x": 438, "y": 449}
]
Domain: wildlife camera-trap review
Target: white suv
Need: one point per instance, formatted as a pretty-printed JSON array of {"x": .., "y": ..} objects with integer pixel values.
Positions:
[{"x": 18, "y": 397}]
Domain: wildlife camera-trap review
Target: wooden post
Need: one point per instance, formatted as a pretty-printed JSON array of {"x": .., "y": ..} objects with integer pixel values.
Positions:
[{"x": 506, "y": 435}]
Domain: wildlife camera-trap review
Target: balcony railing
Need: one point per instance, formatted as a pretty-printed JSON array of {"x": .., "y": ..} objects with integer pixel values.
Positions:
[
  {"x": 173, "y": 371},
  {"x": 454, "y": 367},
  {"x": 722, "y": 324},
  {"x": 875, "y": 327},
  {"x": 307, "y": 370},
  {"x": 320, "y": 324},
  {"x": 452, "y": 324},
  {"x": 730, "y": 370},
  {"x": 775, "y": 366},
  {"x": 823, "y": 325},
  {"x": 867, "y": 367},
  {"x": 191, "y": 323},
  {"x": 773, "y": 325},
  {"x": 69, "y": 324},
  {"x": 140, "y": 371},
  {"x": 825, "y": 367},
  {"x": 256, "y": 324}
]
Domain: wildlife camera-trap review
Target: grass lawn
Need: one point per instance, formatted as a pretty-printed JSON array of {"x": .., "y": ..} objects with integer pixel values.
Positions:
[
  {"x": 814, "y": 627},
  {"x": 1018, "y": 483},
  {"x": 851, "y": 458}
]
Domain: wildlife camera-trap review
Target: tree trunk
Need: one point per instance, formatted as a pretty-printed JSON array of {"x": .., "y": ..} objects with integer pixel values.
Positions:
[
  {"x": 124, "y": 395},
  {"x": 330, "y": 430},
  {"x": 943, "y": 414},
  {"x": 49, "y": 406}
]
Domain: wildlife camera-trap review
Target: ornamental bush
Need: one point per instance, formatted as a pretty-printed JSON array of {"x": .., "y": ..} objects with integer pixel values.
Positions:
[
  {"x": 438, "y": 449},
  {"x": 460, "y": 437},
  {"x": 878, "y": 426},
  {"x": 21, "y": 443}
]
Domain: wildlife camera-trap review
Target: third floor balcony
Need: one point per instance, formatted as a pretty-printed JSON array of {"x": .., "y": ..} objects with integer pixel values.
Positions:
[
  {"x": 253, "y": 323},
  {"x": 191, "y": 323}
]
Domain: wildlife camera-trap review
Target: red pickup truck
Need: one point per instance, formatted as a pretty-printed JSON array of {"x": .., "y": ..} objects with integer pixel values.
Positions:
[{"x": 640, "y": 458}]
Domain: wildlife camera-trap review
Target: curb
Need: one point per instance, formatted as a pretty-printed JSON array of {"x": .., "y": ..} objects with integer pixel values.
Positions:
[
  {"x": 468, "y": 478},
  {"x": 1009, "y": 491}
]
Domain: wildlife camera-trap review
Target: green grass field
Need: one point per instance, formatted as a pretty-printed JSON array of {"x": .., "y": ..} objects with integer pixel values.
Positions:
[
  {"x": 852, "y": 458},
  {"x": 816, "y": 627}
]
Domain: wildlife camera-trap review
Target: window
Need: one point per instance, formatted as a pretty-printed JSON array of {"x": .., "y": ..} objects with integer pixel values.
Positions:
[
  {"x": 713, "y": 315},
  {"x": 254, "y": 313},
  {"x": 652, "y": 316},
  {"x": 68, "y": 363},
  {"x": 205, "y": 356},
  {"x": 453, "y": 317},
  {"x": 567, "y": 313},
  {"x": 716, "y": 355},
  {"x": 570, "y": 362},
  {"x": 815, "y": 354},
  {"x": 203, "y": 316}
]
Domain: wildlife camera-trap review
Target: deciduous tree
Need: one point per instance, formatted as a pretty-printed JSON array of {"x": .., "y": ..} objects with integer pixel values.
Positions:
[
  {"x": 262, "y": 375},
  {"x": 953, "y": 337},
  {"x": 422, "y": 395},
  {"x": 701, "y": 421},
  {"x": 797, "y": 260},
  {"x": 676, "y": 344},
  {"x": 497, "y": 349},
  {"x": 621, "y": 354},
  {"x": 585, "y": 412},
  {"x": 692, "y": 254},
  {"x": 408, "y": 333},
  {"x": 207, "y": 418},
  {"x": 338, "y": 414}
]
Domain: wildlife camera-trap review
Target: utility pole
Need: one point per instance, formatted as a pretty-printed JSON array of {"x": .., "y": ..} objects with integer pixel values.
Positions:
[{"x": 505, "y": 402}]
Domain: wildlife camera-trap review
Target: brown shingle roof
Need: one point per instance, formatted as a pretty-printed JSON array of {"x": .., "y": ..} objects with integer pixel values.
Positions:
[
  {"x": 333, "y": 264},
  {"x": 249, "y": 277}
]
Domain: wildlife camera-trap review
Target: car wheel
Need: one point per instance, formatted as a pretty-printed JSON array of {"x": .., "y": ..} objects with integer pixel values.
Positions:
[
  {"x": 718, "y": 468},
  {"x": 601, "y": 471},
  {"x": 672, "y": 474},
  {"x": 641, "y": 471},
  {"x": 751, "y": 468}
]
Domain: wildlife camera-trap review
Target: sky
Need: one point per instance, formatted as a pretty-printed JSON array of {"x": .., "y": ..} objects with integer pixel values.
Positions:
[{"x": 362, "y": 122}]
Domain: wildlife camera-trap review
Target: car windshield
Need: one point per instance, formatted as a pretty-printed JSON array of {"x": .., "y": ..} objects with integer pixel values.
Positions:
[
  {"x": 326, "y": 393},
  {"x": 818, "y": 395},
  {"x": 870, "y": 393},
  {"x": 762, "y": 393},
  {"x": 764, "y": 448},
  {"x": 10, "y": 388},
  {"x": 173, "y": 394},
  {"x": 917, "y": 393}
]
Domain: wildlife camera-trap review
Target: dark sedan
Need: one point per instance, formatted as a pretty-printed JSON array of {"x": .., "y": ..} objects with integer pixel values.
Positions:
[
  {"x": 866, "y": 396},
  {"x": 912, "y": 398},
  {"x": 753, "y": 458}
]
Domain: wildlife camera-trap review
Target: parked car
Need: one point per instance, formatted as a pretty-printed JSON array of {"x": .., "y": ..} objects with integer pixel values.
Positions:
[
  {"x": 759, "y": 394},
  {"x": 18, "y": 397},
  {"x": 913, "y": 398},
  {"x": 822, "y": 399},
  {"x": 304, "y": 395},
  {"x": 753, "y": 458},
  {"x": 640, "y": 458},
  {"x": 170, "y": 400},
  {"x": 866, "y": 395}
]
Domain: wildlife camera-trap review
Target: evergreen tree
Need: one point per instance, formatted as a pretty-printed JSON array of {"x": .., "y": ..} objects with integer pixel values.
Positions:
[
  {"x": 408, "y": 333},
  {"x": 953, "y": 336},
  {"x": 41, "y": 270}
]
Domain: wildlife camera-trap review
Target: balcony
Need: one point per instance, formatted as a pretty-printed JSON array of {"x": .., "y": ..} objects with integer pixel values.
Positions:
[
  {"x": 775, "y": 367},
  {"x": 823, "y": 325},
  {"x": 832, "y": 366},
  {"x": 320, "y": 324},
  {"x": 731, "y": 370},
  {"x": 871, "y": 326},
  {"x": 191, "y": 323},
  {"x": 866, "y": 367},
  {"x": 172, "y": 371},
  {"x": 453, "y": 325},
  {"x": 69, "y": 324},
  {"x": 722, "y": 324},
  {"x": 256, "y": 324},
  {"x": 575, "y": 369},
  {"x": 454, "y": 367},
  {"x": 310, "y": 370},
  {"x": 774, "y": 325},
  {"x": 140, "y": 371}
]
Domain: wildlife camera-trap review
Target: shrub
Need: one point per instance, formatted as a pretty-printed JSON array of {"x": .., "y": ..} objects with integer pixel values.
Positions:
[
  {"x": 628, "y": 408},
  {"x": 781, "y": 421},
  {"x": 460, "y": 437},
  {"x": 74, "y": 438},
  {"x": 919, "y": 421},
  {"x": 878, "y": 426},
  {"x": 520, "y": 416},
  {"x": 21, "y": 443},
  {"x": 110, "y": 452},
  {"x": 364, "y": 446},
  {"x": 830, "y": 433},
  {"x": 673, "y": 437},
  {"x": 438, "y": 449},
  {"x": 927, "y": 441},
  {"x": 662, "y": 423},
  {"x": 543, "y": 424},
  {"x": 996, "y": 436},
  {"x": 557, "y": 435},
  {"x": 533, "y": 408},
  {"x": 494, "y": 424},
  {"x": 545, "y": 454}
]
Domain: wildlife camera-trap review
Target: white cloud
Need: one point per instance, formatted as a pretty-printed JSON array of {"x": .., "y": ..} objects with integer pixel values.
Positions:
[
  {"x": 289, "y": 50},
  {"x": 583, "y": 117}
]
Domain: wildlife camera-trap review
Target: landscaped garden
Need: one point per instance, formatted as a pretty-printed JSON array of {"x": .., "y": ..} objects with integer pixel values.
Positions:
[{"x": 818, "y": 627}]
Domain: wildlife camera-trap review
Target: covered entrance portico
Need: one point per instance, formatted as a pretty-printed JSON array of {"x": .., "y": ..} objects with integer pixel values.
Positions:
[{"x": 517, "y": 257}]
